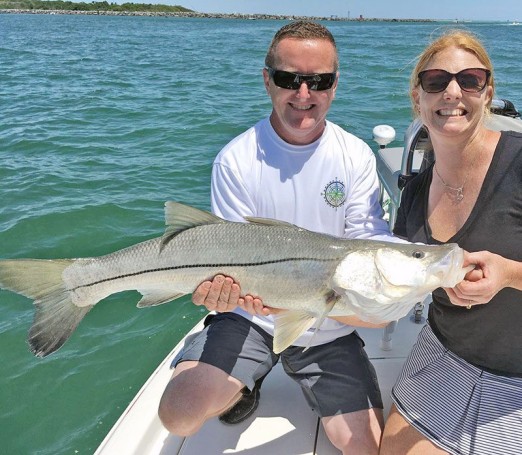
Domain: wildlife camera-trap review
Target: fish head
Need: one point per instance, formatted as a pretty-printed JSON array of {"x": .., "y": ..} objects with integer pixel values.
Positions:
[
  {"x": 383, "y": 281},
  {"x": 419, "y": 268}
]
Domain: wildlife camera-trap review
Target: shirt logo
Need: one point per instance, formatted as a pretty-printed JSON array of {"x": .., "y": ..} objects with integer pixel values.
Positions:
[{"x": 334, "y": 193}]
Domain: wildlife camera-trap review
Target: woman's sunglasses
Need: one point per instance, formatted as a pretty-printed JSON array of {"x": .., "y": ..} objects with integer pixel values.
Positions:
[
  {"x": 293, "y": 81},
  {"x": 470, "y": 80}
]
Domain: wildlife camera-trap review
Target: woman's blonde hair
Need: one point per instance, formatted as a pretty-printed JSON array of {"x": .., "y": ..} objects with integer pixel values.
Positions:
[{"x": 461, "y": 39}]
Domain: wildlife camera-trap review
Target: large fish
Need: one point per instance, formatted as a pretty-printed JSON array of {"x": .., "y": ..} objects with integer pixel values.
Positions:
[{"x": 312, "y": 275}]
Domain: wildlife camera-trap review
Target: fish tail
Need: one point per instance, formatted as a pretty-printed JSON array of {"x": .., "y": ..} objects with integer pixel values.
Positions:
[{"x": 56, "y": 316}]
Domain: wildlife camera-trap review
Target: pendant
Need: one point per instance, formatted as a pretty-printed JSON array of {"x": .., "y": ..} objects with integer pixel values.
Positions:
[{"x": 459, "y": 195}]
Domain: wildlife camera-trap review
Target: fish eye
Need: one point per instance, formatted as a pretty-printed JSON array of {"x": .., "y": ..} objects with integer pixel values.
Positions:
[{"x": 417, "y": 254}]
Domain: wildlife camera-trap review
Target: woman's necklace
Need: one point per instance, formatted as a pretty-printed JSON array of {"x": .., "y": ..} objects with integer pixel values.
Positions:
[{"x": 455, "y": 194}]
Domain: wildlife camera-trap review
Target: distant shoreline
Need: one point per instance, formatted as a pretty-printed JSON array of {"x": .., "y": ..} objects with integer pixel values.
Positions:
[{"x": 207, "y": 15}]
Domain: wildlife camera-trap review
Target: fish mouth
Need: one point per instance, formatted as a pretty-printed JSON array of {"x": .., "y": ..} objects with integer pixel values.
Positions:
[{"x": 449, "y": 271}]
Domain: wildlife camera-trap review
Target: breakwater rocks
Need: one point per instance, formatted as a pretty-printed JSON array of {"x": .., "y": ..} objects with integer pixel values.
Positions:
[{"x": 206, "y": 15}]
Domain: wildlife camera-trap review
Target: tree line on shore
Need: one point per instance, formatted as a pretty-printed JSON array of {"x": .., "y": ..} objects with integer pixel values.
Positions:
[
  {"x": 142, "y": 9},
  {"x": 59, "y": 5}
]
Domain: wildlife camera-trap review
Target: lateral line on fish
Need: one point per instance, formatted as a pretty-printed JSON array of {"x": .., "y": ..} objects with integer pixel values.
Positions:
[{"x": 164, "y": 269}]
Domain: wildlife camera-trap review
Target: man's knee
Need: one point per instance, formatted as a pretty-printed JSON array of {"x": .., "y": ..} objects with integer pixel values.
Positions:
[
  {"x": 178, "y": 418},
  {"x": 196, "y": 392}
]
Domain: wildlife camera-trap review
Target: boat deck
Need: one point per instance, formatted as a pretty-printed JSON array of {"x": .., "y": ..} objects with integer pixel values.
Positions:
[{"x": 282, "y": 424}]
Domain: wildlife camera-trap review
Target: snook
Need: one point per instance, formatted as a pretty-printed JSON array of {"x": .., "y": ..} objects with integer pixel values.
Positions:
[{"x": 312, "y": 275}]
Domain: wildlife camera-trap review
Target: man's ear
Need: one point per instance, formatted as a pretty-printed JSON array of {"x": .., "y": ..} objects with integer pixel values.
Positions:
[
  {"x": 334, "y": 87},
  {"x": 266, "y": 79}
]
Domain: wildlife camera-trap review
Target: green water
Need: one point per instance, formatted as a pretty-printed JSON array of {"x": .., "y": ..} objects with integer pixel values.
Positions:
[{"x": 102, "y": 119}]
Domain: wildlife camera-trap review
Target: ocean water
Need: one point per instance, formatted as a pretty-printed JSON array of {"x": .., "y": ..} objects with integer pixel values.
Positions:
[{"x": 102, "y": 119}]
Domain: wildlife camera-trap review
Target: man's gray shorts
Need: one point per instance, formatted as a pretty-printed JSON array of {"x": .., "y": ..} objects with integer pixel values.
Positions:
[{"x": 336, "y": 377}]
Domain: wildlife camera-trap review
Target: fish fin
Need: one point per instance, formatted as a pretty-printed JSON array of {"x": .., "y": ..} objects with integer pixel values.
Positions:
[
  {"x": 154, "y": 298},
  {"x": 56, "y": 316},
  {"x": 331, "y": 300},
  {"x": 180, "y": 217},
  {"x": 290, "y": 325},
  {"x": 268, "y": 222}
]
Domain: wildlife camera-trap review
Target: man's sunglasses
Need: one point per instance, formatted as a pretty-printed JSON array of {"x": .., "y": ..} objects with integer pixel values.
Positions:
[
  {"x": 470, "y": 80},
  {"x": 293, "y": 81}
]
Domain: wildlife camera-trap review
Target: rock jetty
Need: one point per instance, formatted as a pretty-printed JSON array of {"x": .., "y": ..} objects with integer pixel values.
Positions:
[{"x": 206, "y": 15}]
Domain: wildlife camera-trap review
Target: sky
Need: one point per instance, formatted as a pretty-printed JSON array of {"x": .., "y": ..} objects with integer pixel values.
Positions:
[{"x": 484, "y": 10}]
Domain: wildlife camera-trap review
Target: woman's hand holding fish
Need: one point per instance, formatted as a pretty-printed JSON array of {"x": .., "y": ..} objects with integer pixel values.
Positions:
[{"x": 492, "y": 273}]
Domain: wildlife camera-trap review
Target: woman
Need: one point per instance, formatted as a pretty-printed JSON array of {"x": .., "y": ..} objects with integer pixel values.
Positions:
[{"x": 460, "y": 391}]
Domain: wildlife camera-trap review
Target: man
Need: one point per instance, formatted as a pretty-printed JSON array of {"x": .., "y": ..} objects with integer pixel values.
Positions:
[{"x": 294, "y": 166}]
